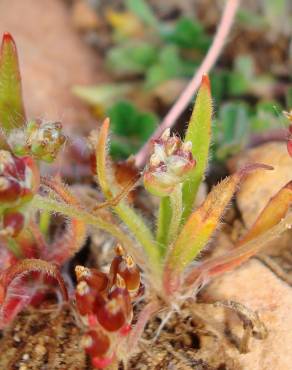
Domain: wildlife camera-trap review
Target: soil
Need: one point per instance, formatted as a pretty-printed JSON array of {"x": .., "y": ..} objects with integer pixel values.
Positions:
[
  {"x": 46, "y": 339},
  {"x": 43, "y": 339}
]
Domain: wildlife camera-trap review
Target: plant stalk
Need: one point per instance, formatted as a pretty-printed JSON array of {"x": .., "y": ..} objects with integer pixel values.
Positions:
[{"x": 207, "y": 64}]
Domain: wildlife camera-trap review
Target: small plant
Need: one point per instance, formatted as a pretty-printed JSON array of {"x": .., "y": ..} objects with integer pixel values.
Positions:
[{"x": 167, "y": 253}]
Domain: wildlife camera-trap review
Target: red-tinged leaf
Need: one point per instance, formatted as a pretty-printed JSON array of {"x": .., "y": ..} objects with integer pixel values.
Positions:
[
  {"x": 16, "y": 291},
  {"x": 12, "y": 114},
  {"x": 237, "y": 256},
  {"x": 200, "y": 227},
  {"x": 271, "y": 216}
]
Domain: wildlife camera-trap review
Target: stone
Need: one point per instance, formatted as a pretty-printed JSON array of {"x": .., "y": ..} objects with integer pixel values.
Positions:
[
  {"x": 261, "y": 185},
  {"x": 52, "y": 57},
  {"x": 260, "y": 290}
]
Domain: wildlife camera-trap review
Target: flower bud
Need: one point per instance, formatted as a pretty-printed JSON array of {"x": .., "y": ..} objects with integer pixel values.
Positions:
[
  {"x": 95, "y": 279},
  {"x": 86, "y": 298},
  {"x": 129, "y": 271},
  {"x": 19, "y": 178},
  {"x": 121, "y": 294},
  {"x": 169, "y": 165},
  {"x": 111, "y": 315},
  {"x": 42, "y": 140},
  {"x": 120, "y": 252},
  {"x": 102, "y": 362},
  {"x": 96, "y": 343}
]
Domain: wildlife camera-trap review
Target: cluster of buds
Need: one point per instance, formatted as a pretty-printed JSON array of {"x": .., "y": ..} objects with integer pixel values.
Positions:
[
  {"x": 42, "y": 140},
  {"x": 19, "y": 181},
  {"x": 104, "y": 302},
  {"x": 169, "y": 165},
  {"x": 289, "y": 141}
]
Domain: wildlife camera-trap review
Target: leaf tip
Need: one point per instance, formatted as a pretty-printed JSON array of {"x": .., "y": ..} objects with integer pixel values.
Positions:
[
  {"x": 106, "y": 123},
  {"x": 7, "y": 37},
  {"x": 206, "y": 81}
]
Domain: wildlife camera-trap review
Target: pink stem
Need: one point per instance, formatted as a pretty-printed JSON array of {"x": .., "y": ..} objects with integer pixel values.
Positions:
[{"x": 209, "y": 61}]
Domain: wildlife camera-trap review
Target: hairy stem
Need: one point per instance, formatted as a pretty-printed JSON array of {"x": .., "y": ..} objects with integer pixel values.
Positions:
[
  {"x": 163, "y": 222},
  {"x": 52, "y": 205},
  {"x": 177, "y": 208},
  {"x": 207, "y": 64},
  {"x": 140, "y": 230}
]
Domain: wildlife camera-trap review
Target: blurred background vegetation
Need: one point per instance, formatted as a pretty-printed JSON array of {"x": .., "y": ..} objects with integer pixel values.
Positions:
[{"x": 152, "y": 48}]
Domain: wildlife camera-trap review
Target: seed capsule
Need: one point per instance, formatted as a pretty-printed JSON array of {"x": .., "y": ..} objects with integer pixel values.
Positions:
[
  {"x": 129, "y": 271},
  {"x": 102, "y": 363},
  {"x": 111, "y": 315},
  {"x": 122, "y": 296},
  {"x": 85, "y": 298},
  {"x": 96, "y": 343},
  {"x": 95, "y": 279},
  {"x": 120, "y": 252}
]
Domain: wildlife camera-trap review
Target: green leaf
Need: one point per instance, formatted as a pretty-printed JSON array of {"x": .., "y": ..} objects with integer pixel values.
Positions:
[
  {"x": 169, "y": 65},
  {"x": 201, "y": 225},
  {"x": 188, "y": 34},
  {"x": 231, "y": 130},
  {"x": 131, "y": 58},
  {"x": 102, "y": 96},
  {"x": 130, "y": 127},
  {"x": 266, "y": 116},
  {"x": 239, "y": 80},
  {"x": 199, "y": 133},
  {"x": 12, "y": 114},
  {"x": 142, "y": 10}
]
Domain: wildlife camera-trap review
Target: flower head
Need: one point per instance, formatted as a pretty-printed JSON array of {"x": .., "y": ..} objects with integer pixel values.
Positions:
[{"x": 169, "y": 165}]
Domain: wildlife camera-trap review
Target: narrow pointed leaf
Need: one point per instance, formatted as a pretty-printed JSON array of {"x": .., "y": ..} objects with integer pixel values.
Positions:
[
  {"x": 201, "y": 225},
  {"x": 199, "y": 133},
  {"x": 12, "y": 114},
  {"x": 272, "y": 214},
  {"x": 237, "y": 256},
  {"x": 126, "y": 213}
]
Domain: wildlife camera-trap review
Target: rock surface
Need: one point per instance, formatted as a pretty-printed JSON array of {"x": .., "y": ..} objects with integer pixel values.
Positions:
[
  {"x": 260, "y": 186},
  {"x": 259, "y": 289},
  {"x": 52, "y": 57}
]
